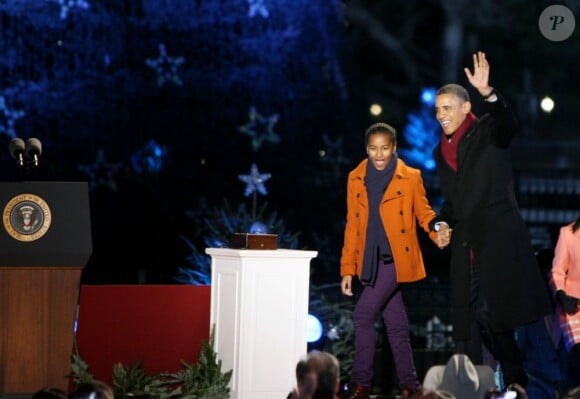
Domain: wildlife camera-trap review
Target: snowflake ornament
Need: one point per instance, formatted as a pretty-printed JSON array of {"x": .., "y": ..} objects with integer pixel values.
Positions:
[
  {"x": 9, "y": 116},
  {"x": 66, "y": 5},
  {"x": 101, "y": 172},
  {"x": 257, "y": 7},
  {"x": 260, "y": 128},
  {"x": 165, "y": 67},
  {"x": 255, "y": 181}
]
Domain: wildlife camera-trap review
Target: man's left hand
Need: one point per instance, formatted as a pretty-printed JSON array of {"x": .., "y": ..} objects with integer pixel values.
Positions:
[{"x": 479, "y": 79}]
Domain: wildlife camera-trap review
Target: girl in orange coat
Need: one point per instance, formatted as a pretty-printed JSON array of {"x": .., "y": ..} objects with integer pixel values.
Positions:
[{"x": 385, "y": 198}]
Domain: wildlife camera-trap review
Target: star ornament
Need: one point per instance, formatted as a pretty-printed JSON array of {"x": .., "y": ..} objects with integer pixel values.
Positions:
[
  {"x": 255, "y": 181},
  {"x": 260, "y": 128},
  {"x": 257, "y": 7},
  {"x": 166, "y": 67},
  {"x": 101, "y": 172},
  {"x": 333, "y": 151}
]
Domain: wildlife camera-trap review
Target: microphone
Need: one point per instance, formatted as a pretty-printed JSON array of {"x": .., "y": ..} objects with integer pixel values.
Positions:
[
  {"x": 33, "y": 149},
  {"x": 16, "y": 148}
]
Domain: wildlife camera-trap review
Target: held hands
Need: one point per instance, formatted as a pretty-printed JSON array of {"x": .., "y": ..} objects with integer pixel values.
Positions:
[
  {"x": 443, "y": 236},
  {"x": 568, "y": 303},
  {"x": 479, "y": 79}
]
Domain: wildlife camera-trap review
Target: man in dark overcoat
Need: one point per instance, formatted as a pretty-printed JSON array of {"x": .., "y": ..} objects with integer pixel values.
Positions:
[{"x": 495, "y": 280}]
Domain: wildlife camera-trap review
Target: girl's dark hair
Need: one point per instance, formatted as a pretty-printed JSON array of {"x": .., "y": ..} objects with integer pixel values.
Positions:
[{"x": 381, "y": 127}]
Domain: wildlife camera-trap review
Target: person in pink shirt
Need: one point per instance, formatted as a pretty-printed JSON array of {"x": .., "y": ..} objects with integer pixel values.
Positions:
[{"x": 566, "y": 284}]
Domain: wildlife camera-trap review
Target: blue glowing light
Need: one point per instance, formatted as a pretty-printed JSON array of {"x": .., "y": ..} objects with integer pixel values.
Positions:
[
  {"x": 428, "y": 96},
  {"x": 422, "y": 133},
  {"x": 313, "y": 329},
  {"x": 258, "y": 228},
  {"x": 150, "y": 158}
]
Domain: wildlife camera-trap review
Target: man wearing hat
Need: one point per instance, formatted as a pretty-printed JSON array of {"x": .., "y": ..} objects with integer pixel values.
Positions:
[{"x": 461, "y": 378}]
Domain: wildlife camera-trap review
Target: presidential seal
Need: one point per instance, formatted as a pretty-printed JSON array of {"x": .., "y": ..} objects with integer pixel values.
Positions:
[{"x": 26, "y": 217}]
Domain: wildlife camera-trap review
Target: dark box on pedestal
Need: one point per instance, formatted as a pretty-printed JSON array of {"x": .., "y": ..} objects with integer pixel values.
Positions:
[{"x": 254, "y": 241}]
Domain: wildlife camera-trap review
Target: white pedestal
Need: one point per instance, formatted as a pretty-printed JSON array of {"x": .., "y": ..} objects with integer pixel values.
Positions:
[{"x": 259, "y": 307}]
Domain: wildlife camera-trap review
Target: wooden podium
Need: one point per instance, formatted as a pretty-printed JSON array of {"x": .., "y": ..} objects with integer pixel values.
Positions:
[
  {"x": 259, "y": 306},
  {"x": 45, "y": 241}
]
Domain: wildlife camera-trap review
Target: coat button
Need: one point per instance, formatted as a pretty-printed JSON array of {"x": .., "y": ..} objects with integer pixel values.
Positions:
[
  {"x": 464, "y": 243},
  {"x": 398, "y": 193},
  {"x": 407, "y": 249},
  {"x": 403, "y": 231},
  {"x": 358, "y": 233},
  {"x": 357, "y": 195},
  {"x": 356, "y": 214},
  {"x": 400, "y": 212}
]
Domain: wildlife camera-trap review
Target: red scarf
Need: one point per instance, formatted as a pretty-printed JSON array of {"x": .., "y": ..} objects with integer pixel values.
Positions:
[{"x": 449, "y": 144}]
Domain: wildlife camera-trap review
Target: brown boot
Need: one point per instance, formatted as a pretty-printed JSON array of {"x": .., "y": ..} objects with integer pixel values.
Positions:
[
  {"x": 409, "y": 391},
  {"x": 355, "y": 392}
]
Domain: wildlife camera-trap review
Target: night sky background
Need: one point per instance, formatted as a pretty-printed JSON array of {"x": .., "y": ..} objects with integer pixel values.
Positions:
[{"x": 163, "y": 106}]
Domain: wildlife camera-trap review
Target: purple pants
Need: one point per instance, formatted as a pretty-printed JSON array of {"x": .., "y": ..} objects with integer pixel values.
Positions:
[{"x": 385, "y": 297}]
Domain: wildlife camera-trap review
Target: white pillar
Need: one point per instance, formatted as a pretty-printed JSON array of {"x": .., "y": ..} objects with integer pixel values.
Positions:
[{"x": 259, "y": 307}]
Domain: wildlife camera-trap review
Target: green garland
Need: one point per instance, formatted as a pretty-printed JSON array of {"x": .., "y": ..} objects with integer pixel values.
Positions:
[{"x": 203, "y": 380}]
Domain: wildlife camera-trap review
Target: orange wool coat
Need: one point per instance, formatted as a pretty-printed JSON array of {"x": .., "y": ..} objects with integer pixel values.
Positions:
[{"x": 404, "y": 203}]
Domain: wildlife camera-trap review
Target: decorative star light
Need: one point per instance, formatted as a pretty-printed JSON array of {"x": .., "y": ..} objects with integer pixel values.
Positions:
[
  {"x": 333, "y": 152},
  {"x": 260, "y": 129},
  {"x": 101, "y": 172},
  {"x": 66, "y": 5},
  {"x": 257, "y": 7},
  {"x": 255, "y": 181},
  {"x": 165, "y": 67},
  {"x": 7, "y": 122}
]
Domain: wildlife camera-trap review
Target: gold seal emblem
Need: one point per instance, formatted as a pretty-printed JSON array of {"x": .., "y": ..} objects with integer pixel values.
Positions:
[{"x": 26, "y": 217}]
